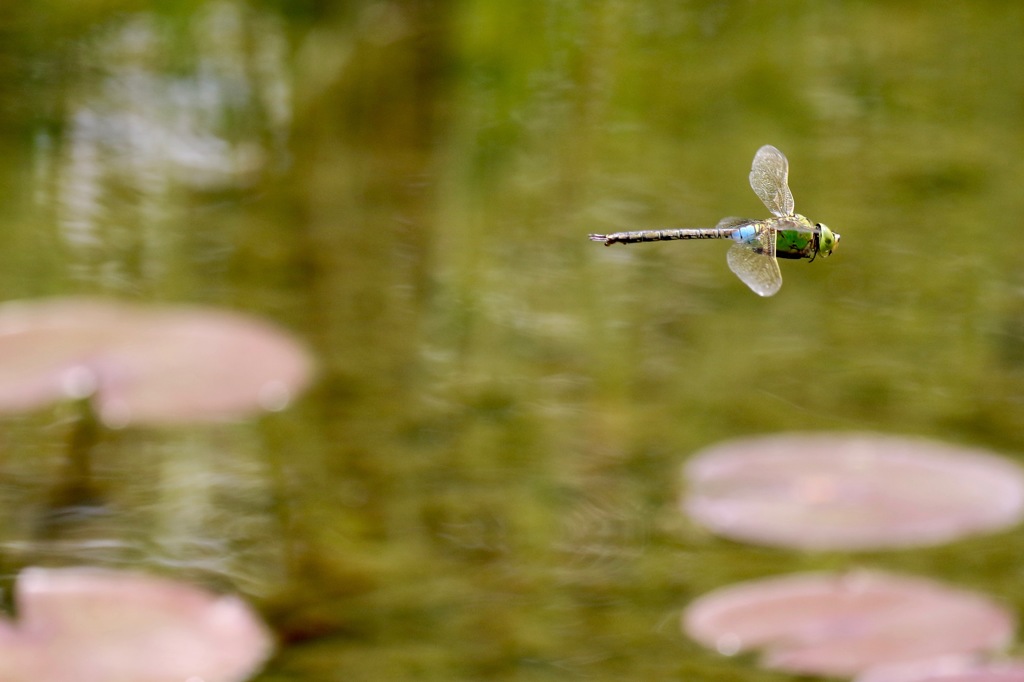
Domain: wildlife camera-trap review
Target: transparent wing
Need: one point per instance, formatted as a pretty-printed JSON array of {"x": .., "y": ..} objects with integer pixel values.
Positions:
[
  {"x": 788, "y": 223},
  {"x": 733, "y": 221},
  {"x": 769, "y": 177},
  {"x": 754, "y": 262}
]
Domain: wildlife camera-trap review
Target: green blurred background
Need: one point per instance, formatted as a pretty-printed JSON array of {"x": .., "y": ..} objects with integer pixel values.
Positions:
[{"x": 483, "y": 483}]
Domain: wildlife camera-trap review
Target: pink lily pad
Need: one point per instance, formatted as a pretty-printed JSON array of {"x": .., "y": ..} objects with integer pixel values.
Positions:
[
  {"x": 851, "y": 492},
  {"x": 146, "y": 364},
  {"x": 963, "y": 669},
  {"x": 91, "y": 625},
  {"x": 842, "y": 624}
]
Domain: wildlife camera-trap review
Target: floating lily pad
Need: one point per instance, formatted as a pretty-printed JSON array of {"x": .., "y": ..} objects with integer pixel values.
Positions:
[
  {"x": 91, "y": 625},
  {"x": 146, "y": 364},
  {"x": 962, "y": 669},
  {"x": 842, "y": 624},
  {"x": 851, "y": 492}
]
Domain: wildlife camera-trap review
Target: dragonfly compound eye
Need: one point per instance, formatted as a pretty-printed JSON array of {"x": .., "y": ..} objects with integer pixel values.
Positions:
[{"x": 827, "y": 240}]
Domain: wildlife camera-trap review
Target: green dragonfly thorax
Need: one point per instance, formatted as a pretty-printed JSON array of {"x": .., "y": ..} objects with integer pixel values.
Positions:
[{"x": 807, "y": 241}]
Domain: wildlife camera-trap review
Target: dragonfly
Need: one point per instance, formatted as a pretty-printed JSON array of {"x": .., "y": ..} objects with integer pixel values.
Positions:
[{"x": 757, "y": 244}]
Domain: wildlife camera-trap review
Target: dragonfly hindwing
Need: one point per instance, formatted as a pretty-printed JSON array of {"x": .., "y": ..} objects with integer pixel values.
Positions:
[{"x": 754, "y": 262}]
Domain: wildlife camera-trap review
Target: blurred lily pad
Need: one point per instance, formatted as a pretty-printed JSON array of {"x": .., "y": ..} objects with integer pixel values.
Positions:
[
  {"x": 844, "y": 623},
  {"x": 851, "y": 491},
  {"x": 92, "y": 625},
  {"x": 143, "y": 364},
  {"x": 945, "y": 669}
]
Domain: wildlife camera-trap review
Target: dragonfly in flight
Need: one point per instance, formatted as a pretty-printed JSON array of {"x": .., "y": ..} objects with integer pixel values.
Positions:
[{"x": 757, "y": 243}]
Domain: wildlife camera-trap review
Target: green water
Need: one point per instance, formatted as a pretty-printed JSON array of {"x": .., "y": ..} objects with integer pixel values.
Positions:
[{"x": 483, "y": 483}]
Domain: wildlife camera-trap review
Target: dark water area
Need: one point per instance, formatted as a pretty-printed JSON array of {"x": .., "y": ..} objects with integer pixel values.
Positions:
[{"x": 483, "y": 480}]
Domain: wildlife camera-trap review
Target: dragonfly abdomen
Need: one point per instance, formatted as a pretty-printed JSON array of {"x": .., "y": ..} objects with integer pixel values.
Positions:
[{"x": 665, "y": 235}]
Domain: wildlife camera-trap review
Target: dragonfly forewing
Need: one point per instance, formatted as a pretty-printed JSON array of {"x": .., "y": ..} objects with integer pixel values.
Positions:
[
  {"x": 769, "y": 178},
  {"x": 790, "y": 223},
  {"x": 754, "y": 262},
  {"x": 733, "y": 221}
]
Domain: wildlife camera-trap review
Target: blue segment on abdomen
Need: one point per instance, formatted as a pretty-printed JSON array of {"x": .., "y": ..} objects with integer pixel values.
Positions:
[{"x": 744, "y": 234}]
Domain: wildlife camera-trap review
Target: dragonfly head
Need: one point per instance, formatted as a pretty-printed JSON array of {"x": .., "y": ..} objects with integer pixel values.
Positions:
[{"x": 827, "y": 240}]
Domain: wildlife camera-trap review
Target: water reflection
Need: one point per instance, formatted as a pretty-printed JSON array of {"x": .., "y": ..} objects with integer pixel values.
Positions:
[{"x": 147, "y": 122}]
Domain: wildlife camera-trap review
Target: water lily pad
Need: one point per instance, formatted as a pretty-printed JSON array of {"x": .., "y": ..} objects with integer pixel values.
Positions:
[
  {"x": 842, "y": 624},
  {"x": 851, "y": 492},
  {"x": 146, "y": 364},
  {"x": 957, "y": 669},
  {"x": 91, "y": 625}
]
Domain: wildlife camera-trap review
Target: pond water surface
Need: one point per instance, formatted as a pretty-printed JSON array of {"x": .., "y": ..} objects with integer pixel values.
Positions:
[{"x": 483, "y": 481}]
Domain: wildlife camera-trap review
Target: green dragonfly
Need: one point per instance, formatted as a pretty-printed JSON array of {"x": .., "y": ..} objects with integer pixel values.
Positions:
[{"x": 757, "y": 242}]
